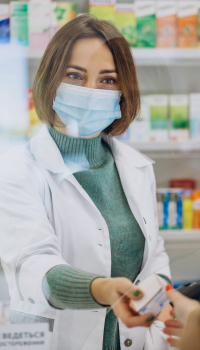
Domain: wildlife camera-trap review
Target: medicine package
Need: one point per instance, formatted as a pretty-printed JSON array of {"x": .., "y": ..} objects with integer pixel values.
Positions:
[{"x": 154, "y": 298}]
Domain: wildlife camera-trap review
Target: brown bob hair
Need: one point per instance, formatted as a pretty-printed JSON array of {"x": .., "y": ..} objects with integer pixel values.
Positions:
[{"x": 56, "y": 58}]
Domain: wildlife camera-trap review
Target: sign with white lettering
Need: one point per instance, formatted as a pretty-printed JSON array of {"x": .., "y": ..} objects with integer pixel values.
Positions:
[{"x": 25, "y": 336}]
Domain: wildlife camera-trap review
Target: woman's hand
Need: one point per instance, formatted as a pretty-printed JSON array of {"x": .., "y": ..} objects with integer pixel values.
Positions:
[
  {"x": 183, "y": 306},
  {"x": 107, "y": 291}
]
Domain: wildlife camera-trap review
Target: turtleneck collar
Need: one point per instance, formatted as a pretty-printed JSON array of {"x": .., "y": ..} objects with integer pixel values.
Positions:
[{"x": 77, "y": 150}]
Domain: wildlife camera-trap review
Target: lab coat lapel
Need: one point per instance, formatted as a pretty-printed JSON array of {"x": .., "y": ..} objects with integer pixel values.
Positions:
[{"x": 48, "y": 156}]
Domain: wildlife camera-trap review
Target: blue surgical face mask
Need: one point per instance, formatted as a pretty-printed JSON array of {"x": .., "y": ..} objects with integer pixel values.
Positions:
[{"x": 86, "y": 111}]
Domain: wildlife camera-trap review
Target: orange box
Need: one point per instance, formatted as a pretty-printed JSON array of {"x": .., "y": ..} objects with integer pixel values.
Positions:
[
  {"x": 188, "y": 24},
  {"x": 167, "y": 23}
]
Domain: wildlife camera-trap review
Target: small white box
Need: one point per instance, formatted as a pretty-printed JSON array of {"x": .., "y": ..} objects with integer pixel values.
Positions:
[
  {"x": 195, "y": 115},
  {"x": 159, "y": 118},
  {"x": 145, "y": 8},
  {"x": 140, "y": 127},
  {"x": 179, "y": 117},
  {"x": 154, "y": 298},
  {"x": 39, "y": 24}
]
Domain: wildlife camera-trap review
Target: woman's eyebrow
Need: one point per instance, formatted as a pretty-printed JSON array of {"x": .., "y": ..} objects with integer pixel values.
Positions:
[
  {"x": 78, "y": 68},
  {"x": 104, "y": 71},
  {"x": 108, "y": 71}
]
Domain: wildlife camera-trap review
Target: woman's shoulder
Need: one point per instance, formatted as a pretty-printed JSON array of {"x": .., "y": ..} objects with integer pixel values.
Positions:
[{"x": 18, "y": 164}]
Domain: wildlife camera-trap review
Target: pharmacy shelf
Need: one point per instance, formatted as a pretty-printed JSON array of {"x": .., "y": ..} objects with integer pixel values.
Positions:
[
  {"x": 173, "y": 57},
  {"x": 184, "y": 146},
  {"x": 190, "y": 148},
  {"x": 180, "y": 235},
  {"x": 183, "y": 249},
  {"x": 151, "y": 57},
  {"x": 170, "y": 149}
]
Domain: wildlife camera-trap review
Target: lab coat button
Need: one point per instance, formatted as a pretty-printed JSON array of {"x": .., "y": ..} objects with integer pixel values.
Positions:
[
  {"x": 150, "y": 238},
  {"x": 31, "y": 300},
  {"x": 128, "y": 342},
  {"x": 137, "y": 282}
]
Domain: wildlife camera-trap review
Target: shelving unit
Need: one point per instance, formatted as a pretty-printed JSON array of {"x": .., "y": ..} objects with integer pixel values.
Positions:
[
  {"x": 183, "y": 249},
  {"x": 180, "y": 235},
  {"x": 147, "y": 57},
  {"x": 186, "y": 146},
  {"x": 175, "y": 56},
  {"x": 170, "y": 149}
]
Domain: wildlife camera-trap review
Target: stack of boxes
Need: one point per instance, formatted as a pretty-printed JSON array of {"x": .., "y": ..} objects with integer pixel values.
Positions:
[
  {"x": 163, "y": 118},
  {"x": 158, "y": 23},
  {"x": 188, "y": 23},
  {"x": 178, "y": 208},
  {"x": 144, "y": 23},
  {"x": 103, "y": 9},
  {"x": 61, "y": 13},
  {"x": 167, "y": 29},
  {"x": 125, "y": 21},
  {"x": 33, "y": 23},
  {"x": 4, "y": 24}
]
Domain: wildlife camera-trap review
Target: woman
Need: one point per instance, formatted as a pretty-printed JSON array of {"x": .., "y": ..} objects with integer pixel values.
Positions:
[
  {"x": 78, "y": 208},
  {"x": 187, "y": 327}
]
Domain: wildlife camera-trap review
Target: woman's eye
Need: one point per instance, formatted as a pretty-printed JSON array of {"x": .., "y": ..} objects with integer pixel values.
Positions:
[
  {"x": 74, "y": 76},
  {"x": 109, "y": 81}
]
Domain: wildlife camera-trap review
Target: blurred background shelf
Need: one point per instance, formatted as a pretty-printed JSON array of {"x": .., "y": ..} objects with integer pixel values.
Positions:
[
  {"x": 180, "y": 235},
  {"x": 183, "y": 249},
  {"x": 176, "y": 56},
  {"x": 189, "y": 145},
  {"x": 171, "y": 149},
  {"x": 150, "y": 57}
]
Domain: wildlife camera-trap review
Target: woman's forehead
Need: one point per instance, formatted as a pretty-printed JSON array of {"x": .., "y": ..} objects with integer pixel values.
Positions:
[{"x": 92, "y": 50}]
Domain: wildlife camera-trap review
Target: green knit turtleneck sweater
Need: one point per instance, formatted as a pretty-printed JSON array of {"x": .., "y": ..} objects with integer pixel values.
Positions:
[{"x": 93, "y": 166}]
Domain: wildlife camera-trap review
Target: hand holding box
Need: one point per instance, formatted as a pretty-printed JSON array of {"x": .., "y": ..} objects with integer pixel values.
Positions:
[{"x": 154, "y": 299}]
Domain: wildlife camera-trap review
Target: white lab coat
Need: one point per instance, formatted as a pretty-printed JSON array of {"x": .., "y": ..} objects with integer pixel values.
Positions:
[{"x": 47, "y": 219}]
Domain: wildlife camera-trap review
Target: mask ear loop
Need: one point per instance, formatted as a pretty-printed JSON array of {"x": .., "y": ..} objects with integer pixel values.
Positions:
[{"x": 121, "y": 97}]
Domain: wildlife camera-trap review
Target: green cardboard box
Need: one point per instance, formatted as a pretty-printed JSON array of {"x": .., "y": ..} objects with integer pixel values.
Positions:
[
  {"x": 158, "y": 118},
  {"x": 179, "y": 117},
  {"x": 125, "y": 22},
  {"x": 145, "y": 12},
  {"x": 103, "y": 10},
  {"x": 19, "y": 22}
]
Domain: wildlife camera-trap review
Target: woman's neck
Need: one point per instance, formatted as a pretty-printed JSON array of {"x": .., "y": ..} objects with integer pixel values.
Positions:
[{"x": 63, "y": 130}]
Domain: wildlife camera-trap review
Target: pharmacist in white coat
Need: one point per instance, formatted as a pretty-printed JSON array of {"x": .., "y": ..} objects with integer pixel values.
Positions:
[{"x": 78, "y": 207}]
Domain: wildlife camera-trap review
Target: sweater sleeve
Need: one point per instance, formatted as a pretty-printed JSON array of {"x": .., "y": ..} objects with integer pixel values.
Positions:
[
  {"x": 166, "y": 278},
  {"x": 66, "y": 287},
  {"x": 191, "y": 333}
]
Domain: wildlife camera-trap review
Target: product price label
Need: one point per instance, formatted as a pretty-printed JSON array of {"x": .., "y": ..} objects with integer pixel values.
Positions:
[{"x": 25, "y": 336}]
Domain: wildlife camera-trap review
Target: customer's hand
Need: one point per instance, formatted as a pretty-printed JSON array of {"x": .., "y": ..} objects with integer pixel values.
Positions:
[
  {"x": 107, "y": 291},
  {"x": 165, "y": 314},
  {"x": 183, "y": 306}
]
